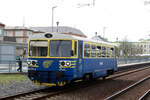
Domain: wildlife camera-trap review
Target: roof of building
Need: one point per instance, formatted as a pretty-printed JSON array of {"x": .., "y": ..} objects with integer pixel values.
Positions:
[
  {"x": 16, "y": 28},
  {"x": 60, "y": 29},
  {"x": 1, "y": 24},
  {"x": 99, "y": 38}
]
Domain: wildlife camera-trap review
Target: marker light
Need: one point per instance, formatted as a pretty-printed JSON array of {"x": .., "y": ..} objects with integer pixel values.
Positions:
[{"x": 48, "y": 35}]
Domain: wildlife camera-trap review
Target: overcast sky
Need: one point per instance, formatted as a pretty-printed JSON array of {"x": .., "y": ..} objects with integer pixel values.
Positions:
[{"x": 121, "y": 18}]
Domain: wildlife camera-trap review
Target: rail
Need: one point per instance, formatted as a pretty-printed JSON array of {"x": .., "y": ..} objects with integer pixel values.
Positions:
[
  {"x": 28, "y": 95},
  {"x": 145, "y": 95},
  {"x": 112, "y": 97}
]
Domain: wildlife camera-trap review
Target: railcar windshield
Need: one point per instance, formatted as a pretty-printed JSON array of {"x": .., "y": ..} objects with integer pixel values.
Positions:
[
  {"x": 60, "y": 48},
  {"x": 38, "y": 48}
]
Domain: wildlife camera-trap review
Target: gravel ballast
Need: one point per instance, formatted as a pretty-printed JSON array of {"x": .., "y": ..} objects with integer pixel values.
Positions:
[{"x": 14, "y": 87}]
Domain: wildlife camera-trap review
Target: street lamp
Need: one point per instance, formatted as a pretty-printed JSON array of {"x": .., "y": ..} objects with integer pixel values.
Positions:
[
  {"x": 53, "y": 15},
  {"x": 57, "y": 25}
]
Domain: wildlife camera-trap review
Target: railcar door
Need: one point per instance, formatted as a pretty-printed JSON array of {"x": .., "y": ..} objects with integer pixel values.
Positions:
[{"x": 80, "y": 59}]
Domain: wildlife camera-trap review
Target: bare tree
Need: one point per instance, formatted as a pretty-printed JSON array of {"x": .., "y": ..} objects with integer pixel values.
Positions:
[{"x": 129, "y": 49}]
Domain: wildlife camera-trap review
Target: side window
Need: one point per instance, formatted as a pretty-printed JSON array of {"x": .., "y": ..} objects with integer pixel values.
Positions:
[
  {"x": 80, "y": 50},
  {"x": 75, "y": 48},
  {"x": 87, "y": 50},
  {"x": 107, "y": 52},
  {"x": 112, "y": 52},
  {"x": 93, "y": 50},
  {"x": 98, "y": 51},
  {"x": 103, "y": 51}
]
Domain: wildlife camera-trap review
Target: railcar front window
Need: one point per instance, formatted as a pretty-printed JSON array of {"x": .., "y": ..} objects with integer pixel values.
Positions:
[
  {"x": 60, "y": 48},
  {"x": 38, "y": 48}
]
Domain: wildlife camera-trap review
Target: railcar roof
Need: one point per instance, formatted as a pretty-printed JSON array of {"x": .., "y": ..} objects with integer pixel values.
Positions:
[{"x": 64, "y": 36}]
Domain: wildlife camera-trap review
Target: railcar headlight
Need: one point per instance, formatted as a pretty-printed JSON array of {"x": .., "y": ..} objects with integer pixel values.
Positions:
[
  {"x": 62, "y": 63},
  {"x": 68, "y": 63},
  {"x": 33, "y": 63},
  {"x": 29, "y": 62}
]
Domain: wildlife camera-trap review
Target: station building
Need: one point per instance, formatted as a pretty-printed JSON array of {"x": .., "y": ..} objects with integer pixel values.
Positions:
[
  {"x": 1, "y": 31},
  {"x": 20, "y": 35},
  {"x": 145, "y": 45},
  {"x": 142, "y": 47}
]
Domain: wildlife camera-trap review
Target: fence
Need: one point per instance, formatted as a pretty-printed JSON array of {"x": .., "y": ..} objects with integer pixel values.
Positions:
[
  {"x": 128, "y": 60},
  {"x": 11, "y": 66}
]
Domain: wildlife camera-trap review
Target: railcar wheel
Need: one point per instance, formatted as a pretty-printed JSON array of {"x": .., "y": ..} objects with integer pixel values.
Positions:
[
  {"x": 88, "y": 77},
  {"x": 104, "y": 78}
]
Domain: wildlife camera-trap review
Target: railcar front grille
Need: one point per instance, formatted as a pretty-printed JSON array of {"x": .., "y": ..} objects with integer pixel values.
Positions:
[{"x": 40, "y": 76}]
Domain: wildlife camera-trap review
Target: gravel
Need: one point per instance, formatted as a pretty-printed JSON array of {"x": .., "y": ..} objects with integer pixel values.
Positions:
[
  {"x": 13, "y": 87},
  {"x": 104, "y": 88},
  {"x": 95, "y": 92}
]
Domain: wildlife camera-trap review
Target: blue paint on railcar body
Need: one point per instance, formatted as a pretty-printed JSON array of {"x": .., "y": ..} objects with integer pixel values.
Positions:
[{"x": 59, "y": 71}]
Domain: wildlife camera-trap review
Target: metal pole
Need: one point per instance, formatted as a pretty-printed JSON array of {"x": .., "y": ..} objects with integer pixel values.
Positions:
[
  {"x": 104, "y": 32},
  {"x": 93, "y": 2},
  {"x": 57, "y": 26},
  {"x": 53, "y": 15}
]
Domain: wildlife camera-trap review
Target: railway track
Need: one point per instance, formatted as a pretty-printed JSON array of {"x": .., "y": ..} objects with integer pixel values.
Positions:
[
  {"x": 129, "y": 90},
  {"x": 145, "y": 96},
  {"x": 53, "y": 91}
]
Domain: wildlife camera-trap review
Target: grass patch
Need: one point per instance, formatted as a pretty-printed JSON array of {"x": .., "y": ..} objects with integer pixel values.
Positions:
[{"x": 12, "y": 77}]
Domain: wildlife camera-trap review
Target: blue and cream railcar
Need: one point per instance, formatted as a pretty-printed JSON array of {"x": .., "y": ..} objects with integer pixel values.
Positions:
[{"x": 57, "y": 59}]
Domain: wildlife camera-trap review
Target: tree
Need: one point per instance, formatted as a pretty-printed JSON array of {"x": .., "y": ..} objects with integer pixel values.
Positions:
[{"x": 128, "y": 49}]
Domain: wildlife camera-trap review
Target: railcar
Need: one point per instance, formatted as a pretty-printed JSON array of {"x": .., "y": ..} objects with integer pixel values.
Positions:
[{"x": 57, "y": 59}]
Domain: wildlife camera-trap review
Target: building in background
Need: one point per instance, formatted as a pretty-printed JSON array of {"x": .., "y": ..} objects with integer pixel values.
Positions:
[
  {"x": 18, "y": 35},
  {"x": 60, "y": 29},
  {"x": 145, "y": 45},
  {"x": 140, "y": 48},
  {"x": 99, "y": 38},
  {"x": 21, "y": 34},
  {"x": 1, "y": 31}
]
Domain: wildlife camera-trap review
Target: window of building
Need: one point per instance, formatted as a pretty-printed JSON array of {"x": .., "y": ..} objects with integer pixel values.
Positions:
[{"x": 1, "y": 31}]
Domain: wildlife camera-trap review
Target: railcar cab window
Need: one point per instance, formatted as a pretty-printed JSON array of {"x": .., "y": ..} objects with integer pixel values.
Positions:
[
  {"x": 38, "y": 48},
  {"x": 60, "y": 48}
]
